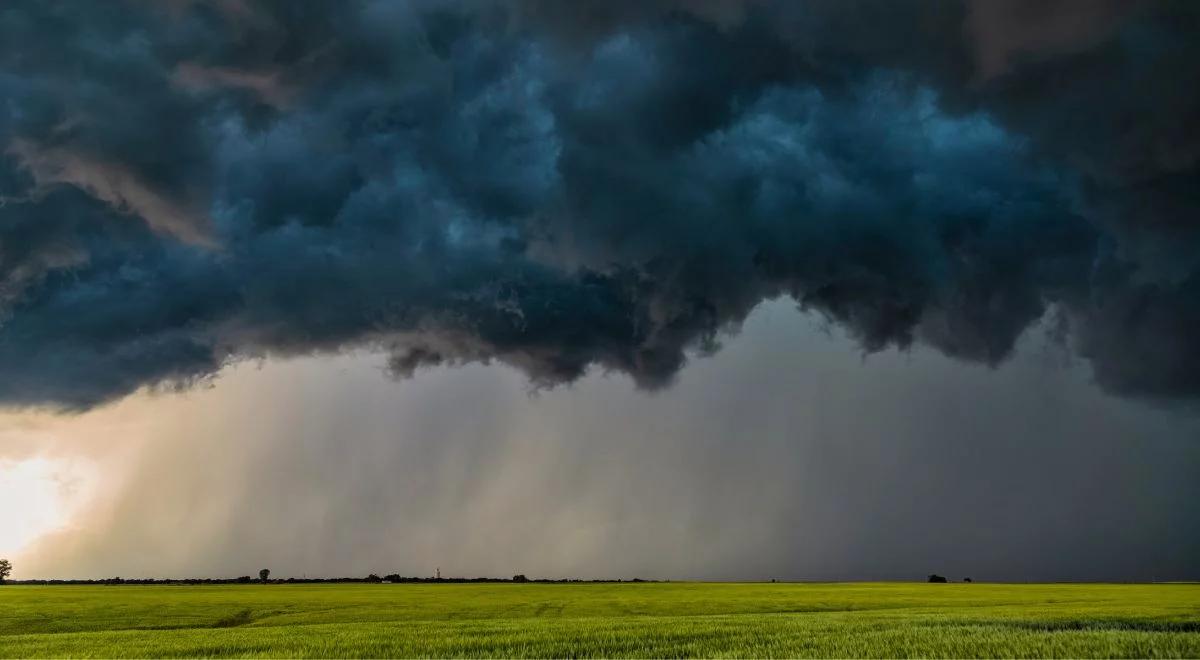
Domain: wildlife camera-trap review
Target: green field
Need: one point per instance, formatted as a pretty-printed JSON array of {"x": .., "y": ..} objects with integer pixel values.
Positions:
[{"x": 555, "y": 620}]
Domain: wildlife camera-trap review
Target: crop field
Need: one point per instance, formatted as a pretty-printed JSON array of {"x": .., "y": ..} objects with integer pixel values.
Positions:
[{"x": 608, "y": 620}]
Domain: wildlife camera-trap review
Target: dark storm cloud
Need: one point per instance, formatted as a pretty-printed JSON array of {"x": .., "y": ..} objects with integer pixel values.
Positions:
[{"x": 187, "y": 184}]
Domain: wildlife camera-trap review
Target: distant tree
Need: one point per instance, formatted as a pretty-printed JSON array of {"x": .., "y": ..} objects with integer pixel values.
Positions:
[
  {"x": 937, "y": 578},
  {"x": 245, "y": 579},
  {"x": 966, "y": 579},
  {"x": 520, "y": 578},
  {"x": 392, "y": 577},
  {"x": 264, "y": 574},
  {"x": 374, "y": 578},
  {"x": 5, "y": 570}
]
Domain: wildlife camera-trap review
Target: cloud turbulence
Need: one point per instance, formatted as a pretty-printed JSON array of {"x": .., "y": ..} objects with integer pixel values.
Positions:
[{"x": 560, "y": 186}]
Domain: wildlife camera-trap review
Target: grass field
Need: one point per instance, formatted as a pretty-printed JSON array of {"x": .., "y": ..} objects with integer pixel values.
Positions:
[{"x": 555, "y": 620}]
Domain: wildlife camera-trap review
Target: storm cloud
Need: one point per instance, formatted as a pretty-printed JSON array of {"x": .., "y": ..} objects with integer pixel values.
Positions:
[{"x": 189, "y": 184}]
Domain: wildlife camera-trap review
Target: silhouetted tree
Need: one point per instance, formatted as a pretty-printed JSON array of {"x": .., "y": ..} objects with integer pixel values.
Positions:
[
  {"x": 5, "y": 570},
  {"x": 520, "y": 578},
  {"x": 392, "y": 577},
  {"x": 264, "y": 574},
  {"x": 936, "y": 578},
  {"x": 374, "y": 578},
  {"x": 245, "y": 579},
  {"x": 966, "y": 579}
]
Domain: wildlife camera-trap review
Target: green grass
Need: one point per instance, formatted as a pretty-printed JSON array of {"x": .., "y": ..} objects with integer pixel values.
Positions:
[{"x": 556, "y": 620}]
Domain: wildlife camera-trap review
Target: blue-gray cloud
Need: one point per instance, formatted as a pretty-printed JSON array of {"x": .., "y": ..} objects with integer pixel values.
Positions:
[{"x": 187, "y": 184}]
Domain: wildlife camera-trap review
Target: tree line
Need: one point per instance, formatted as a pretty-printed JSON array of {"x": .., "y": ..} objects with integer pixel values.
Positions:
[{"x": 264, "y": 577}]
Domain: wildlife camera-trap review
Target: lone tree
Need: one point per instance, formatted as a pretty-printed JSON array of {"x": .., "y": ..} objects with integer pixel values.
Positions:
[
  {"x": 936, "y": 578},
  {"x": 264, "y": 574},
  {"x": 5, "y": 570}
]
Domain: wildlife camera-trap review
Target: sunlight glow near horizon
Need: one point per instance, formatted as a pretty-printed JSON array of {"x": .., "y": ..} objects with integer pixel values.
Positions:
[{"x": 43, "y": 492}]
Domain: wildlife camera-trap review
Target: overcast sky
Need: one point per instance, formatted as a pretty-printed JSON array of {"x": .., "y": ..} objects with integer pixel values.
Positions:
[{"x": 721, "y": 289}]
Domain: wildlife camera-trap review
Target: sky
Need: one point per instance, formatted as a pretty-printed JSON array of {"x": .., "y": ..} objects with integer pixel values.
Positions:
[{"x": 679, "y": 290}]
